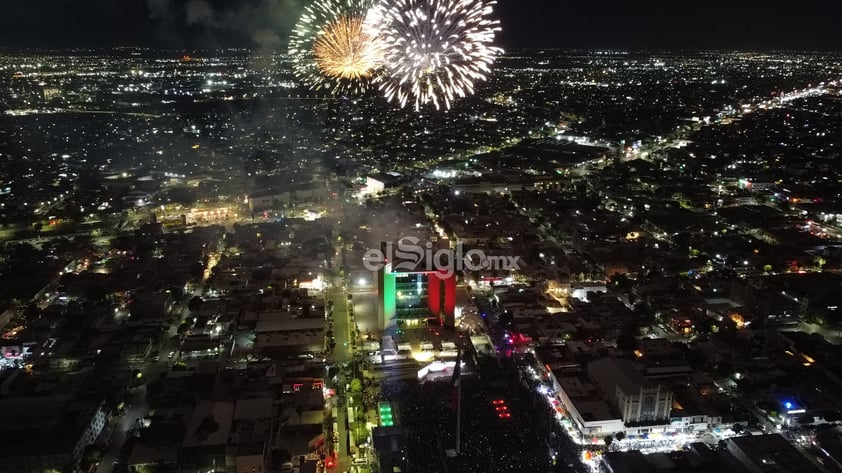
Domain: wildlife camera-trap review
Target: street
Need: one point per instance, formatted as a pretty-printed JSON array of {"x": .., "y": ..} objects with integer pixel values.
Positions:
[
  {"x": 341, "y": 354},
  {"x": 134, "y": 411}
]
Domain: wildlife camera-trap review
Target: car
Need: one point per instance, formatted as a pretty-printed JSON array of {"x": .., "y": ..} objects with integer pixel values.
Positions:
[
  {"x": 156, "y": 356},
  {"x": 171, "y": 355}
]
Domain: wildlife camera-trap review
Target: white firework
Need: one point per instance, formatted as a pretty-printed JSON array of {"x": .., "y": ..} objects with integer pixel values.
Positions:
[{"x": 434, "y": 51}]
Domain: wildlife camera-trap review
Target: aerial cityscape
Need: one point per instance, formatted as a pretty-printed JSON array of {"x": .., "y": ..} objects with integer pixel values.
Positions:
[{"x": 398, "y": 236}]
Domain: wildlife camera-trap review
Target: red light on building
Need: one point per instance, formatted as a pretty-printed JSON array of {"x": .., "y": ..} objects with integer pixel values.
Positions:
[{"x": 501, "y": 409}]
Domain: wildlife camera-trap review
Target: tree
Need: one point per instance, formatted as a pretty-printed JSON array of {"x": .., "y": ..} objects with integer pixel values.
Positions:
[
  {"x": 620, "y": 436},
  {"x": 195, "y": 304},
  {"x": 832, "y": 416},
  {"x": 92, "y": 454},
  {"x": 724, "y": 369},
  {"x": 608, "y": 440},
  {"x": 738, "y": 428},
  {"x": 626, "y": 341},
  {"x": 704, "y": 326},
  {"x": 356, "y": 385},
  {"x": 360, "y": 432},
  {"x": 184, "y": 328},
  {"x": 280, "y": 456},
  {"x": 621, "y": 282}
]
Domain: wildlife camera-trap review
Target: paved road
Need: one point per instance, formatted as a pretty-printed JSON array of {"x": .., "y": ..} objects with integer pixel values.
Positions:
[
  {"x": 341, "y": 354},
  {"x": 136, "y": 408}
]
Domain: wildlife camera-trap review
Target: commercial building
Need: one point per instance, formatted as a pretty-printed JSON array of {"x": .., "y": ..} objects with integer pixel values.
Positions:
[
  {"x": 768, "y": 454},
  {"x": 389, "y": 439},
  {"x": 284, "y": 334},
  {"x": 292, "y": 194},
  {"x": 637, "y": 399},
  {"x": 584, "y": 405}
]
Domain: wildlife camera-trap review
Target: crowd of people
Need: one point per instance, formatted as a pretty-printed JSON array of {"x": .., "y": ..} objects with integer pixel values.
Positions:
[{"x": 488, "y": 444}]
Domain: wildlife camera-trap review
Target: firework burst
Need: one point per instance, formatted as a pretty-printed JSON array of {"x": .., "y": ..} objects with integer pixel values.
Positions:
[
  {"x": 434, "y": 51},
  {"x": 331, "y": 48}
]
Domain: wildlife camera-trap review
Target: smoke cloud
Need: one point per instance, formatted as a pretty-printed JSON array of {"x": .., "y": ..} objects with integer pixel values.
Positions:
[
  {"x": 199, "y": 12},
  {"x": 159, "y": 9},
  {"x": 262, "y": 23}
]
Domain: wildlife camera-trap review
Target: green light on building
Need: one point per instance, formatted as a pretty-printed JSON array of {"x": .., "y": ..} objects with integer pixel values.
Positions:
[
  {"x": 389, "y": 295},
  {"x": 386, "y": 419}
]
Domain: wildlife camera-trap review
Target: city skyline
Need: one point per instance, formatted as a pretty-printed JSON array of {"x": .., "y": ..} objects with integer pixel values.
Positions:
[{"x": 394, "y": 247}]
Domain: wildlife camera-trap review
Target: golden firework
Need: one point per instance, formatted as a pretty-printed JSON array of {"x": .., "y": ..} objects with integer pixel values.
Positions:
[
  {"x": 333, "y": 49},
  {"x": 343, "y": 50}
]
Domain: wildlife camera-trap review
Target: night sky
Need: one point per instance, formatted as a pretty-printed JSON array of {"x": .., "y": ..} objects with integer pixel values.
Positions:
[{"x": 642, "y": 24}]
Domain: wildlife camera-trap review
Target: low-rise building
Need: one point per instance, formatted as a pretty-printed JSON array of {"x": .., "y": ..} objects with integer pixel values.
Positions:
[
  {"x": 47, "y": 433},
  {"x": 768, "y": 454}
]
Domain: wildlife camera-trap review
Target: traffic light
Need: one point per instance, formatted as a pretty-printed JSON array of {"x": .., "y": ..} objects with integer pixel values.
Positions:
[{"x": 501, "y": 408}]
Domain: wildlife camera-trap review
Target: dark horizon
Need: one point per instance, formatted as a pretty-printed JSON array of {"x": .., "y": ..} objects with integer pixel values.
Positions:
[{"x": 526, "y": 24}]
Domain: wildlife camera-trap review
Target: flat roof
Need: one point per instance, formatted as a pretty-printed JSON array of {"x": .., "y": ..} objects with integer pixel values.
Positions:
[
  {"x": 275, "y": 324},
  {"x": 594, "y": 410},
  {"x": 772, "y": 453},
  {"x": 254, "y": 408},
  {"x": 209, "y": 424}
]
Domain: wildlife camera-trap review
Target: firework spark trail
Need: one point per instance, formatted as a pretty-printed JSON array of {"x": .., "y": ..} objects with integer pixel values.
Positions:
[
  {"x": 332, "y": 50},
  {"x": 434, "y": 51}
]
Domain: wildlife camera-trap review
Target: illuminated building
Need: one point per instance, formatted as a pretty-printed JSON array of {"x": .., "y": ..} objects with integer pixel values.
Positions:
[
  {"x": 379, "y": 183},
  {"x": 413, "y": 296},
  {"x": 634, "y": 397}
]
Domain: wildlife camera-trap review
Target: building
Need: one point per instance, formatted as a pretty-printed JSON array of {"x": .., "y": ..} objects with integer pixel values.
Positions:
[
  {"x": 293, "y": 194},
  {"x": 250, "y": 434},
  {"x": 582, "y": 401},
  {"x": 7, "y": 312},
  {"x": 507, "y": 184},
  {"x": 829, "y": 443},
  {"x": 769, "y": 454},
  {"x": 389, "y": 439},
  {"x": 283, "y": 334},
  {"x": 413, "y": 296},
  {"x": 199, "y": 347},
  {"x": 206, "y": 438},
  {"x": 379, "y": 183},
  {"x": 636, "y": 399},
  {"x": 47, "y": 433},
  {"x": 698, "y": 458}
]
